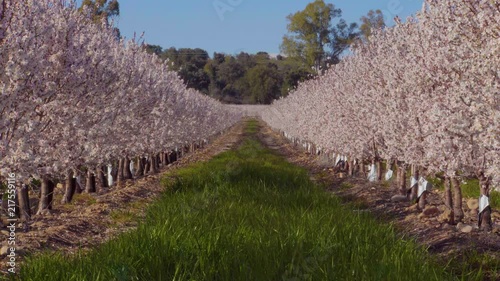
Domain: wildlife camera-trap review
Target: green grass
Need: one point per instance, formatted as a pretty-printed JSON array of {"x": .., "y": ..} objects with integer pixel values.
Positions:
[
  {"x": 345, "y": 186},
  {"x": 123, "y": 217},
  {"x": 471, "y": 260},
  {"x": 436, "y": 182},
  {"x": 84, "y": 199},
  {"x": 252, "y": 126},
  {"x": 471, "y": 189},
  {"x": 247, "y": 215},
  {"x": 495, "y": 200}
]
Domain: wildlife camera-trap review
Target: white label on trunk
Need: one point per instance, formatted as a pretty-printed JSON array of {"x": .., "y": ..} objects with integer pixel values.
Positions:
[
  {"x": 110, "y": 177},
  {"x": 132, "y": 167},
  {"x": 372, "y": 176},
  {"x": 423, "y": 186},
  {"x": 413, "y": 182},
  {"x": 388, "y": 175},
  {"x": 337, "y": 159},
  {"x": 484, "y": 202}
]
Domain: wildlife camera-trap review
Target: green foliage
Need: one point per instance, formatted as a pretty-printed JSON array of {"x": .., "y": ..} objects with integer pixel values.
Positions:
[
  {"x": 244, "y": 78},
  {"x": 101, "y": 9},
  {"x": 264, "y": 83},
  {"x": 310, "y": 31},
  {"x": 189, "y": 63},
  {"x": 246, "y": 215},
  {"x": 373, "y": 20}
]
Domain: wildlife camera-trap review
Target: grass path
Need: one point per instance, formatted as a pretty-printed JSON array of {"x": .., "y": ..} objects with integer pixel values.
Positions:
[{"x": 246, "y": 215}]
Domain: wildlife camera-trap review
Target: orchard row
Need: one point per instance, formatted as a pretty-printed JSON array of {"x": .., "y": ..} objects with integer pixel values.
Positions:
[
  {"x": 75, "y": 97},
  {"x": 424, "y": 93}
]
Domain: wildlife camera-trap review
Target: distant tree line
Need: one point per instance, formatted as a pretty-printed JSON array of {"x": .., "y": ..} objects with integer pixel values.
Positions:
[{"x": 240, "y": 79}]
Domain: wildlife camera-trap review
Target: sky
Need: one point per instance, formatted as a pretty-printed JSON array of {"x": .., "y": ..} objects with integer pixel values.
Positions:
[{"x": 233, "y": 26}]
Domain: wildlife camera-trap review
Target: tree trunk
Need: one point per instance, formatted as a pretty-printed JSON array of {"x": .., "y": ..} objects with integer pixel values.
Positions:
[
  {"x": 127, "y": 173},
  {"x": 139, "y": 167},
  {"x": 153, "y": 164},
  {"x": 70, "y": 188},
  {"x": 350, "y": 164},
  {"x": 485, "y": 216},
  {"x": 24, "y": 202},
  {"x": 162, "y": 159},
  {"x": 114, "y": 172},
  {"x": 448, "y": 199},
  {"x": 102, "y": 181},
  {"x": 377, "y": 170},
  {"x": 147, "y": 165},
  {"x": 167, "y": 158},
  {"x": 363, "y": 169},
  {"x": 422, "y": 200},
  {"x": 158, "y": 160},
  {"x": 120, "y": 168},
  {"x": 173, "y": 156},
  {"x": 90, "y": 185},
  {"x": 50, "y": 195},
  {"x": 380, "y": 170},
  {"x": 414, "y": 188},
  {"x": 356, "y": 168},
  {"x": 78, "y": 185},
  {"x": 457, "y": 199},
  {"x": 402, "y": 179},
  {"x": 46, "y": 195}
]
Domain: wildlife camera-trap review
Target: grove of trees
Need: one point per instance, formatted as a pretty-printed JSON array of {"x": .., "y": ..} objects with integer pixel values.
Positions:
[
  {"x": 238, "y": 79},
  {"x": 74, "y": 99},
  {"x": 423, "y": 94}
]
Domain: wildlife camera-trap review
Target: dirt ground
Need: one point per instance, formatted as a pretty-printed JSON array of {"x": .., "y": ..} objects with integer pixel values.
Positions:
[
  {"x": 95, "y": 218},
  {"x": 446, "y": 242}
]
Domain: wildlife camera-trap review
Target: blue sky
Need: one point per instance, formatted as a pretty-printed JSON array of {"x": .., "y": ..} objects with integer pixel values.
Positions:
[{"x": 232, "y": 26}]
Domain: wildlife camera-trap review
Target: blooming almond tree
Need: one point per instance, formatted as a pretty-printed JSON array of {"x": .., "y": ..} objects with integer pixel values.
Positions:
[
  {"x": 423, "y": 93},
  {"x": 75, "y": 99}
]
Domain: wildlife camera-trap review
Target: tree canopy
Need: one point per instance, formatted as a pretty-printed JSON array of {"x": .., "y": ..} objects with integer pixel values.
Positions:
[
  {"x": 242, "y": 79},
  {"x": 373, "y": 20},
  {"x": 311, "y": 31},
  {"x": 102, "y": 9}
]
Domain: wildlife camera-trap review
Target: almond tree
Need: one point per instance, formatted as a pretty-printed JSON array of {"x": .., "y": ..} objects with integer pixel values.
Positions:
[{"x": 423, "y": 93}]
